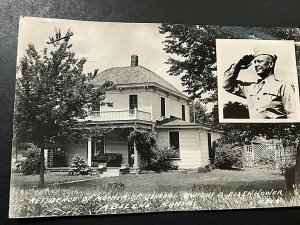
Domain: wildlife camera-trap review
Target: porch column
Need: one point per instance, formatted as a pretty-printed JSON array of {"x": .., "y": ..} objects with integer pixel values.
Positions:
[
  {"x": 135, "y": 153},
  {"x": 89, "y": 152},
  {"x": 46, "y": 158}
]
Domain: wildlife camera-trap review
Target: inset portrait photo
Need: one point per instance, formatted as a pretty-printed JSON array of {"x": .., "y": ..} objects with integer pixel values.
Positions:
[{"x": 257, "y": 81}]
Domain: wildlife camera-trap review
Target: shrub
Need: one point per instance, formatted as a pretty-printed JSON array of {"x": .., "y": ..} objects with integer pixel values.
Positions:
[
  {"x": 207, "y": 168},
  {"x": 79, "y": 166},
  {"x": 31, "y": 165},
  {"x": 145, "y": 141},
  {"x": 161, "y": 159},
  {"x": 229, "y": 157}
]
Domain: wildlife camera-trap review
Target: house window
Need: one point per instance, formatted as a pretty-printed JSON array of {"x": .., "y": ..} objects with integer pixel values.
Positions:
[
  {"x": 210, "y": 154},
  {"x": 133, "y": 103},
  {"x": 96, "y": 106},
  {"x": 183, "y": 112},
  {"x": 162, "y": 106},
  {"x": 98, "y": 145},
  {"x": 174, "y": 142}
]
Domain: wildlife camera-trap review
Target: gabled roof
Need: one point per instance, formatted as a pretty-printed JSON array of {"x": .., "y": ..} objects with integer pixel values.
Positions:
[{"x": 134, "y": 75}]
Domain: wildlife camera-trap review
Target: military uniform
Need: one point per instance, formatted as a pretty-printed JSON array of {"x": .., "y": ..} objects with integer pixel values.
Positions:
[{"x": 267, "y": 99}]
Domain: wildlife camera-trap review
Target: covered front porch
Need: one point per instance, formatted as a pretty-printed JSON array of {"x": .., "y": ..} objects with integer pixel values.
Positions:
[{"x": 109, "y": 149}]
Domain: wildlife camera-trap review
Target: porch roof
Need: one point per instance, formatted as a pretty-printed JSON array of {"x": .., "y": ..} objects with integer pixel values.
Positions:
[{"x": 180, "y": 124}]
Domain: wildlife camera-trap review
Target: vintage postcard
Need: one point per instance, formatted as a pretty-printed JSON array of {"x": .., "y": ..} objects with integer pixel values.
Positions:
[{"x": 114, "y": 118}]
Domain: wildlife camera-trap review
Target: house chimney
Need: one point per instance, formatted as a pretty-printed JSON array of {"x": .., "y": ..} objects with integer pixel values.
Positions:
[{"x": 134, "y": 60}]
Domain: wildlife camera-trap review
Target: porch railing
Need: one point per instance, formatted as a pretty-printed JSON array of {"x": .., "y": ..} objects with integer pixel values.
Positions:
[{"x": 120, "y": 115}]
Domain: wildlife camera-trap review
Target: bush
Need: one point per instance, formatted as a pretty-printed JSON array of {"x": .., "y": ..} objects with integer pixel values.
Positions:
[
  {"x": 229, "y": 157},
  {"x": 207, "y": 168},
  {"x": 31, "y": 165},
  {"x": 161, "y": 159},
  {"x": 145, "y": 141},
  {"x": 79, "y": 166}
]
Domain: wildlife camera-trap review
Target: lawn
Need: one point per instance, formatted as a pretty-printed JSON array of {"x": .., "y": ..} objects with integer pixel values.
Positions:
[
  {"x": 28, "y": 181},
  {"x": 169, "y": 191},
  {"x": 228, "y": 180}
]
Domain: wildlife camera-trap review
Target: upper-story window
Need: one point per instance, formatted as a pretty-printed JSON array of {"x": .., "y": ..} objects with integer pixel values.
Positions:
[
  {"x": 162, "y": 106},
  {"x": 183, "y": 112},
  {"x": 133, "y": 102}
]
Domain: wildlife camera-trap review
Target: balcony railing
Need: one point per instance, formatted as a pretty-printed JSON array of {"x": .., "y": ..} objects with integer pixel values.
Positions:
[{"x": 120, "y": 115}]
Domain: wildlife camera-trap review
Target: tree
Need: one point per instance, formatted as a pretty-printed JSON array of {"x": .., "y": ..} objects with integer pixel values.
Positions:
[
  {"x": 235, "y": 110},
  {"x": 194, "y": 51},
  {"x": 198, "y": 112},
  {"x": 51, "y": 94}
]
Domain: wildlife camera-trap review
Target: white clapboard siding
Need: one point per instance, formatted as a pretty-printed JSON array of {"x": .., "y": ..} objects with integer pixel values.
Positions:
[
  {"x": 190, "y": 147},
  {"x": 204, "y": 148}
]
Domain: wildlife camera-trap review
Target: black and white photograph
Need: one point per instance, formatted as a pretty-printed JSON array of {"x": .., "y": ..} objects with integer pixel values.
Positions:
[
  {"x": 257, "y": 81},
  {"x": 119, "y": 118}
]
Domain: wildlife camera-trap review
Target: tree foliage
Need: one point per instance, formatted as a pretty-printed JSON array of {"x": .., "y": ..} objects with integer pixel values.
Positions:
[
  {"x": 193, "y": 58},
  {"x": 52, "y": 93},
  {"x": 198, "y": 112},
  {"x": 144, "y": 141},
  {"x": 193, "y": 52},
  {"x": 235, "y": 110}
]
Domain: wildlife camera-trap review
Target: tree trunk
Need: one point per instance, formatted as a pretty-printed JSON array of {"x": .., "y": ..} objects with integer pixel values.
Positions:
[
  {"x": 297, "y": 166},
  {"x": 42, "y": 169}
]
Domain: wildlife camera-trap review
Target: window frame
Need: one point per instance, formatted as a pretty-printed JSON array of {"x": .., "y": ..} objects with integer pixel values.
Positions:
[
  {"x": 169, "y": 142},
  {"x": 94, "y": 145},
  {"x": 162, "y": 107},
  {"x": 133, "y": 104},
  {"x": 183, "y": 112}
]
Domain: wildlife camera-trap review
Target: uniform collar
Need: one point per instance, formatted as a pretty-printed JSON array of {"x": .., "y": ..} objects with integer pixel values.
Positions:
[{"x": 267, "y": 79}]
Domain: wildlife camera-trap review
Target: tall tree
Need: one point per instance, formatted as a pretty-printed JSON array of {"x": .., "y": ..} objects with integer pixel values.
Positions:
[
  {"x": 52, "y": 93},
  {"x": 194, "y": 55},
  {"x": 198, "y": 112}
]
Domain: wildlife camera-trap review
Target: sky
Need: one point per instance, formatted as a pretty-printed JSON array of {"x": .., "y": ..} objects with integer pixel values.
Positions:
[{"x": 105, "y": 44}]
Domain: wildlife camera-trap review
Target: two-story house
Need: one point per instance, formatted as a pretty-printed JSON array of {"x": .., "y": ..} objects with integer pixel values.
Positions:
[{"x": 142, "y": 99}]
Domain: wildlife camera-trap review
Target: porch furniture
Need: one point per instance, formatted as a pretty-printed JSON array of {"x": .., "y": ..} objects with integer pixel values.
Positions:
[{"x": 111, "y": 159}]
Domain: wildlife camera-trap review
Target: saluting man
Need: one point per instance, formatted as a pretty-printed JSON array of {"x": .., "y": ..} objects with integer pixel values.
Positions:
[{"x": 268, "y": 98}]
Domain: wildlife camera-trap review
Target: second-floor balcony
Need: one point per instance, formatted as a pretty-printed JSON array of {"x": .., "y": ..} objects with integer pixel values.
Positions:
[{"x": 119, "y": 115}]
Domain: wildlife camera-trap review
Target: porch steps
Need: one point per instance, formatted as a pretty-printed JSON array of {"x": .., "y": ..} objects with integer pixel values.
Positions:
[{"x": 111, "y": 172}]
